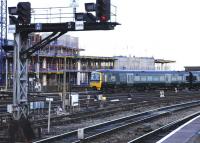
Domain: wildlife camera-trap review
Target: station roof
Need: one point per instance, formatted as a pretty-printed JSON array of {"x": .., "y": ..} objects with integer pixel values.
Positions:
[
  {"x": 95, "y": 58},
  {"x": 192, "y": 68},
  {"x": 162, "y": 61}
]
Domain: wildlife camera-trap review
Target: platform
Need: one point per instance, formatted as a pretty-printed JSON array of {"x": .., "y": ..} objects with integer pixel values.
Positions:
[{"x": 187, "y": 133}]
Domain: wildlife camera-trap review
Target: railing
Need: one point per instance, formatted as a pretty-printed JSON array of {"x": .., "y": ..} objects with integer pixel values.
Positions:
[
  {"x": 96, "y": 67},
  {"x": 61, "y": 14},
  {"x": 52, "y": 15},
  {"x": 53, "y": 54},
  {"x": 51, "y": 69},
  {"x": 61, "y": 69}
]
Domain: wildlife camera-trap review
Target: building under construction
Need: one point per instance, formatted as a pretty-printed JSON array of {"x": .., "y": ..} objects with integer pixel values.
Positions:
[{"x": 48, "y": 65}]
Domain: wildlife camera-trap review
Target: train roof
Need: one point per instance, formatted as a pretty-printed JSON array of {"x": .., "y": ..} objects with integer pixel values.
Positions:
[
  {"x": 143, "y": 71},
  {"x": 194, "y": 71}
]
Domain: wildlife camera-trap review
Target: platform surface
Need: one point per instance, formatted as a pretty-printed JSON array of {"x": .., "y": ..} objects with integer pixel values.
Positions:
[{"x": 187, "y": 133}]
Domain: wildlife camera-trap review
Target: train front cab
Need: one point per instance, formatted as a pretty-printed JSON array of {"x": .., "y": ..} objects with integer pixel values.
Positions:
[{"x": 96, "y": 80}]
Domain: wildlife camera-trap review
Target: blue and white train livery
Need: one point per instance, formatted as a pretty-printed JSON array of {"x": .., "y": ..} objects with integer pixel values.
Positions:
[{"x": 103, "y": 79}]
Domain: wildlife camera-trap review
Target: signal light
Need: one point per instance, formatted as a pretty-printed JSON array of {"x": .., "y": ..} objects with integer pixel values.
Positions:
[
  {"x": 103, "y": 10},
  {"x": 103, "y": 18},
  {"x": 89, "y": 7},
  {"x": 12, "y": 10},
  {"x": 24, "y": 12}
]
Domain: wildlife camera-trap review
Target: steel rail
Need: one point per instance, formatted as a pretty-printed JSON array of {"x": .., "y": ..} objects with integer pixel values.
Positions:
[
  {"x": 97, "y": 130},
  {"x": 58, "y": 120}
]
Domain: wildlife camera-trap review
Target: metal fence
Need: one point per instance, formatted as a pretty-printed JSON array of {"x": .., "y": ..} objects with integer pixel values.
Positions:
[{"x": 60, "y": 14}]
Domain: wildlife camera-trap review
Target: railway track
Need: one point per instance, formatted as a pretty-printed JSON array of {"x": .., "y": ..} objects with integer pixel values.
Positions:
[
  {"x": 135, "y": 104},
  {"x": 112, "y": 100},
  {"x": 6, "y": 98},
  {"x": 93, "y": 132},
  {"x": 110, "y": 110}
]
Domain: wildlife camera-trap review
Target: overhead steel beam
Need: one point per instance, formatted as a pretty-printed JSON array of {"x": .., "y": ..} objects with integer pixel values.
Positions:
[
  {"x": 29, "y": 51},
  {"x": 68, "y": 26}
]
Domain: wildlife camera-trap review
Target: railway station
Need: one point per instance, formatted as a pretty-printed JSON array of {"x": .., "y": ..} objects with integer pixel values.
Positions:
[{"x": 53, "y": 90}]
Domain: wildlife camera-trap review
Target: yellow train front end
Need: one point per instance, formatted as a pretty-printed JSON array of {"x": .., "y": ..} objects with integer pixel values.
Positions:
[{"x": 96, "y": 80}]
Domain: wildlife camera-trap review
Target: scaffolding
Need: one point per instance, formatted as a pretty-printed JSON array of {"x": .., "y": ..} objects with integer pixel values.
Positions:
[
  {"x": 3, "y": 34},
  {"x": 52, "y": 64}
]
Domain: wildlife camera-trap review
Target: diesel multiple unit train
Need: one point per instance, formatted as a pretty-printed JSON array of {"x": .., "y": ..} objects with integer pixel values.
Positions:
[{"x": 144, "y": 80}]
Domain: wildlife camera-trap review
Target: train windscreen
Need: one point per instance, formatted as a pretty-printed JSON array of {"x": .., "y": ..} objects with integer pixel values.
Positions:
[{"x": 95, "y": 76}]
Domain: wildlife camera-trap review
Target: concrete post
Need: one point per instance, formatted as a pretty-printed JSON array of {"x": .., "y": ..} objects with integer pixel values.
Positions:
[
  {"x": 64, "y": 85},
  {"x": 78, "y": 73},
  {"x": 44, "y": 63},
  {"x": 6, "y": 87},
  {"x": 44, "y": 80}
]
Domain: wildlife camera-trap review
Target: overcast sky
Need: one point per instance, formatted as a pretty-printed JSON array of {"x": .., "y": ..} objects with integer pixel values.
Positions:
[{"x": 167, "y": 29}]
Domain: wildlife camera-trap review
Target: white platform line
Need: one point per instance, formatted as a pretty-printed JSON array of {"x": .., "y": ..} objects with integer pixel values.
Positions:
[{"x": 176, "y": 130}]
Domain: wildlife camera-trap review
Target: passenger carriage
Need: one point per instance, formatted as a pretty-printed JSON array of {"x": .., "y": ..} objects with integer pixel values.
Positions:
[{"x": 142, "y": 80}]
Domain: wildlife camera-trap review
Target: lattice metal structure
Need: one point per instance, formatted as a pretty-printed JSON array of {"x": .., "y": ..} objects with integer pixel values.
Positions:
[
  {"x": 23, "y": 50},
  {"x": 3, "y": 34},
  {"x": 20, "y": 78}
]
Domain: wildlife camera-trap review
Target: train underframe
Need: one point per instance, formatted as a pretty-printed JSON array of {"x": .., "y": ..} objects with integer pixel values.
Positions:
[{"x": 116, "y": 88}]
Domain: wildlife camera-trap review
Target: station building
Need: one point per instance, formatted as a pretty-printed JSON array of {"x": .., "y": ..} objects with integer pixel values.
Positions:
[
  {"x": 141, "y": 63},
  {"x": 161, "y": 64},
  {"x": 134, "y": 63}
]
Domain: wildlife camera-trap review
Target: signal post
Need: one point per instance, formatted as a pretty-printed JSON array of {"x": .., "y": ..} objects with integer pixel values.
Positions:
[{"x": 20, "y": 16}]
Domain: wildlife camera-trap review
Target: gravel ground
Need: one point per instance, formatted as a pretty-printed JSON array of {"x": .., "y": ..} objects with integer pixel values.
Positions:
[
  {"x": 136, "y": 131},
  {"x": 84, "y": 123}
]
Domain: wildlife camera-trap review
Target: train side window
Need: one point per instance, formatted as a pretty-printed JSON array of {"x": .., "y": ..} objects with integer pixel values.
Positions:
[
  {"x": 179, "y": 78},
  {"x": 113, "y": 78},
  {"x": 162, "y": 78},
  {"x": 130, "y": 78},
  {"x": 155, "y": 78},
  {"x": 198, "y": 77},
  {"x": 174, "y": 78},
  {"x": 122, "y": 77},
  {"x": 143, "y": 78},
  {"x": 149, "y": 78},
  {"x": 137, "y": 78}
]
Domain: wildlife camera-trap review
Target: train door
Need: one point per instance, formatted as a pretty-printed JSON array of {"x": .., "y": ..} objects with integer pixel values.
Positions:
[
  {"x": 168, "y": 78},
  {"x": 130, "y": 78}
]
